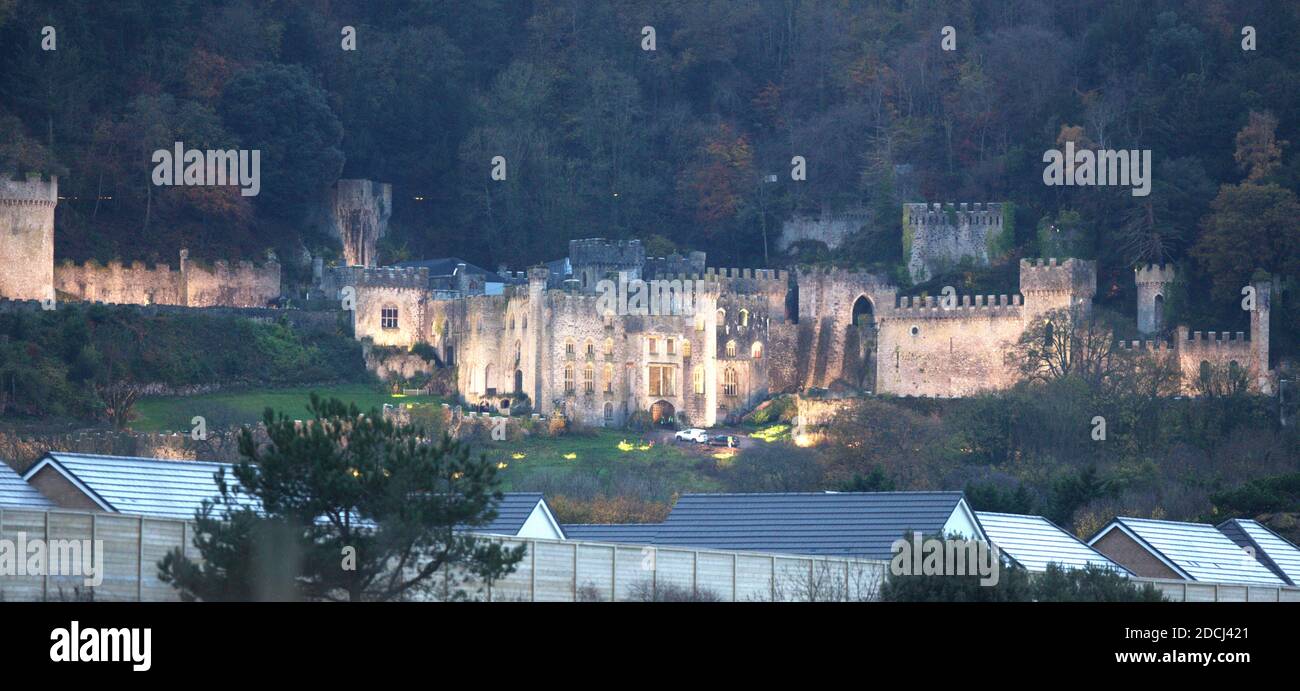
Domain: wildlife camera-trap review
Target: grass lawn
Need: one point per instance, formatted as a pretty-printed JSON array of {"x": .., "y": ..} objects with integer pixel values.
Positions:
[
  {"x": 173, "y": 413},
  {"x": 608, "y": 456}
]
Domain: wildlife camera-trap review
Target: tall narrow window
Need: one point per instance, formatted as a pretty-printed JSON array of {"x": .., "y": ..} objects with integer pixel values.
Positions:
[
  {"x": 686, "y": 348},
  {"x": 589, "y": 379},
  {"x": 670, "y": 346},
  {"x": 744, "y": 317},
  {"x": 731, "y": 349},
  {"x": 609, "y": 379},
  {"x": 569, "y": 349},
  {"x": 654, "y": 345},
  {"x": 388, "y": 317},
  {"x": 729, "y": 387},
  {"x": 591, "y": 350},
  {"x": 568, "y": 379},
  {"x": 756, "y": 350},
  {"x": 697, "y": 377},
  {"x": 609, "y": 347}
]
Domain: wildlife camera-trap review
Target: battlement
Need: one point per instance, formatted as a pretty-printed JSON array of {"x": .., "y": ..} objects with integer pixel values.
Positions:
[
  {"x": 1147, "y": 346},
  {"x": 953, "y": 215},
  {"x": 1154, "y": 273},
  {"x": 33, "y": 191},
  {"x": 931, "y": 307},
  {"x": 1212, "y": 341},
  {"x": 1051, "y": 276}
]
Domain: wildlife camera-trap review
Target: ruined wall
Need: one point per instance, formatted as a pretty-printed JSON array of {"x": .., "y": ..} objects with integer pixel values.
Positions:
[
  {"x": 27, "y": 238},
  {"x": 828, "y": 227},
  {"x": 938, "y": 236},
  {"x": 358, "y": 216},
  {"x": 243, "y": 285}
]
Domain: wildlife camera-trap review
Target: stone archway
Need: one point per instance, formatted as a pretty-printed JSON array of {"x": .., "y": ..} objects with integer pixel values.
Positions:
[
  {"x": 860, "y": 345},
  {"x": 662, "y": 413}
]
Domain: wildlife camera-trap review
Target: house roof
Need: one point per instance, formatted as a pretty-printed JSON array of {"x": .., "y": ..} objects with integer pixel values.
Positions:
[
  {"x": 15, "y": 493},
  {"x": 1034, "y": 542},
  {"x": 446, "y": 266},
  {"x": 1275, "y": 552},
  {"x": 141, "y": 486},
  {"x": 512, "y": 513},
  {"x": 861, "y": 524},
  {"x": 623, "y": 533},
  {"x": 1197, "y": 551}
]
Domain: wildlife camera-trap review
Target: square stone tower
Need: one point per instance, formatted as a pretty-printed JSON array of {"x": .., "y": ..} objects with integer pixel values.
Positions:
[{"x": 1153, "y": 282}]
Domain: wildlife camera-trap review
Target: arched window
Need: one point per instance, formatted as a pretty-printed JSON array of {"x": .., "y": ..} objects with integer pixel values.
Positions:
[
  {"x": 731, "y": 349},
  {"x": 569, "y": 349},
  {"x": 729, "y": 386},
  {"x": 744, "y": 317},
  {"x": 722, "y": 316},
  {"x": 609, "y": 414},
  {"x": 489, "y": 383},
  {"x": 589, "y": 379},
  {"x": 1049, "y": 335},
  {"x": 1205, "y": 373},
  {"x": 686, "y": 348},
  {"x": 591, "y": 350},
  {"x": 609, "y": 379},
  {"x": 756, "y": 351},
  {"x": 1158, "y": 313},
  {"x": 697, "y": 379},
  {"x": 864, "y": 313},
  {"x": 525, "y": 322},
  {"x": 609, "y": 347},
  {"x": 568, "y": 379}
]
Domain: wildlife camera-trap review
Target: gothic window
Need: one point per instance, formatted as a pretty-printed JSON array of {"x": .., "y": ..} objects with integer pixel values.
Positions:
[
  {"x": 588, "y": 379},
  {"x": 686, "y": 348},
  {"x": 731, "y": 349},
  {"x": 388, "y": 317},
  {"x": 569, "y": 349},
  {"x": 609, "y": 414},
  {"x": 729, "y": 386},
  {"x": 568, "y": 379},
  {"x": 609, "y": 347},
  {"x": 722, "y": 316},
  {"x": 697, "y": 377},
  {"x": 591, "y": 350},
  {"x": 609, "y": 379},
  {"x": 756, "y": 351},
  {"x": 744, "y": 317}
]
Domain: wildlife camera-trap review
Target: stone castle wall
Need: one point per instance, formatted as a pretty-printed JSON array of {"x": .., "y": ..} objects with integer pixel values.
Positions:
[
  {"x": 828, "y": 227},
  {"x": 193, "y": 285},
  {"x": 926, "y": 350}
]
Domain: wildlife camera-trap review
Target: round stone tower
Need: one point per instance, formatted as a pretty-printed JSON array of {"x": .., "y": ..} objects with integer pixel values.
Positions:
[
  {"x": 27, "y": 238},
  {"x": 1153, "y": 284}
]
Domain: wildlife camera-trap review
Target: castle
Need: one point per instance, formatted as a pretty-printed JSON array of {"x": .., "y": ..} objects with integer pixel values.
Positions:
[
  {"x": 751, "y": 333},
  {"x": 546, "y": 335}
]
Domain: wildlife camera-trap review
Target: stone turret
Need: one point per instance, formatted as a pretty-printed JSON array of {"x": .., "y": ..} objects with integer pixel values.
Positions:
[
  {"x": 27, "y": 237},
  {"x": 1153, "y": 283},
  {"x": 939, "y": 236}
]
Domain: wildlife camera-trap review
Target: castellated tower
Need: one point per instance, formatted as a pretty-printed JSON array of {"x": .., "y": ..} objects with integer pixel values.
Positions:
[
  {"x": 1047, "y": 284},
  {"x": 1153, "y": 284},
  {"x": 27, "y": 238},
  {"x": 1259, "y": 335},
  {"x": 939, "y": 236}
]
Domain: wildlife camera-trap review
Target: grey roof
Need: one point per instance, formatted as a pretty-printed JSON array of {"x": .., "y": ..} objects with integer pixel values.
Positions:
[
  {"x": 139, "y": 486},
  {"x": 446, "y": 266},
  {"x": 15, "y": 493},
  {"x": 1034, "y": 542},
  {"x": 1275, "y": 552},
  {"x": 861, "y": 524},
  {"x": 1197, "y": 550},
  {"x": 623, "y": 533},
  {"x": 512, "y": 513}
]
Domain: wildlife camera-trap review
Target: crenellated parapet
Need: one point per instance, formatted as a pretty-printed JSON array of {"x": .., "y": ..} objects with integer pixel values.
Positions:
[
  {"x": 392, "y": 277},
  {"x": 962, "y": 307},
  {"x": 32, "y": 191},
  {"x": 1161, "y": 274}
]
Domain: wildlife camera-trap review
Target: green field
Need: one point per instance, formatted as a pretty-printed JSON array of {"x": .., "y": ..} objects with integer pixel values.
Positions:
[
  {"x": 553, "y": 463},
  {"x": 173, "y": 413}
]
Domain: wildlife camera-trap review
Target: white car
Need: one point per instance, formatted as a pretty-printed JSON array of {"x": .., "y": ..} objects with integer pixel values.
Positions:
[{"x": 694, "y": 434}]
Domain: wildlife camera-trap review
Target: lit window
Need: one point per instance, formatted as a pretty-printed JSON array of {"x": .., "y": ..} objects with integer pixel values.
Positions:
[
  {"x": 699, "y": 322},
  {"x": 661, "y": 380},
  {"x": 588, "y": 379},
  {"x": 731, "y": 349},
  {"x": 697, "y": 377},
  {"x": 568, "y": 349},
  {"x": 388, "y": 317},
  {"x": 609, "y": 347},
  {"x": 744, "y": 317},
  {"x": 686, "y": 348},
  {"x": 609, "y": 379},
  {"x": 568, "y": 379},
  {"x": 756, "y": 350},
  {"x": 591, "y": 350},
  {"x": 729, "y": 383}
]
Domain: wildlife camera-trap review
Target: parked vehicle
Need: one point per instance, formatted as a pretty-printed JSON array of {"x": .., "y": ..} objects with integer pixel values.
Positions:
[
  {"x": 726, "y": 440},
  {"x": 694, "y": 434}
]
